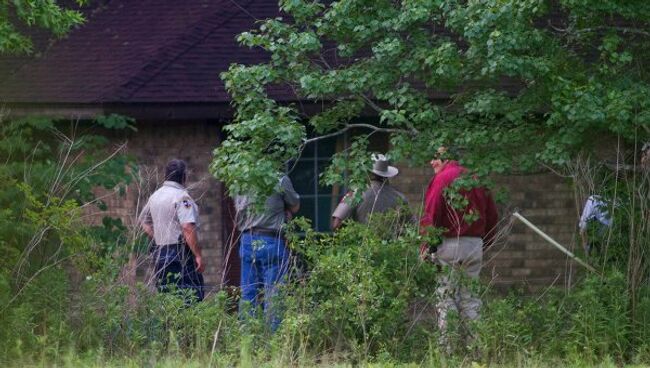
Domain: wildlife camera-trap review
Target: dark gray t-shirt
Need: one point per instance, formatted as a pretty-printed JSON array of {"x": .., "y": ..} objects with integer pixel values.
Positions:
[{"x": 273, "y": 216}]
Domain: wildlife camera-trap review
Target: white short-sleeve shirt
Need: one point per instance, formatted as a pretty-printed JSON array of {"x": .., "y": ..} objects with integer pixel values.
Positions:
[{"x": 168, "y": 208}]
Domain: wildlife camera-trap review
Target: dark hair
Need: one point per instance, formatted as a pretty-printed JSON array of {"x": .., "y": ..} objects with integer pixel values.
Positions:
[
  {"x": 450, "y": 153},
  {"x": 376, "y": 177},
  {"x": 175, "y": 171}
]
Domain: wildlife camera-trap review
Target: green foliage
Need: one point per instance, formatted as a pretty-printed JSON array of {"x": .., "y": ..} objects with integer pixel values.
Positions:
[
  {"x": 515, "y": 84},
  {"x": 589, "y": 323},
  {"x": 360, "y": 297},
  {"x": 124, "y": 321},
  {"x": 353, "y": 163},
  {"x": 456, "y": 196},
  {"x": 247, "y": 170},
  {"x": 356, "y": 298},
  {"x": 48, "y": 178},
  {"x": 45, "y": 14},
  {"x": 115, "y": 121}
]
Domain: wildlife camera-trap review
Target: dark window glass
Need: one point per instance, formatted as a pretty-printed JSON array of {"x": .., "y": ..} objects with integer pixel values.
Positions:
[
  {"x": 326, "y": 148},
  {"x": 309, "y": 151},
  {"x": 307, "y": 207},
  {"x": 324, "y": 212},
  {"x": 304, "y": 177},
  {"x": 322, "y": 188},
  {"x": 305, "y": 173}
]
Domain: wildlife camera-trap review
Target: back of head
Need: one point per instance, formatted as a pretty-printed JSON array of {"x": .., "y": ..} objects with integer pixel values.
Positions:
[
  {"x": 175, "y": 171},
  {"x": 375, "y": 177},
  {"x": 447, "y": 153}
]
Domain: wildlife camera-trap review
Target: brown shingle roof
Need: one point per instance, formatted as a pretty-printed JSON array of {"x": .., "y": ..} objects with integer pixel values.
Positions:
[{"x": 143, "y": 51}]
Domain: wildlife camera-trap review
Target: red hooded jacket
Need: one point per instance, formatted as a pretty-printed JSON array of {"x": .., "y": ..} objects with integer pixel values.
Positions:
[{"x": 439, "y": 213}]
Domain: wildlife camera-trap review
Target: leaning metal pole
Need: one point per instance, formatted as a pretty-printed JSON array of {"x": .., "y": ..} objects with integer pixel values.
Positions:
[{"x": 554, "y": 243}]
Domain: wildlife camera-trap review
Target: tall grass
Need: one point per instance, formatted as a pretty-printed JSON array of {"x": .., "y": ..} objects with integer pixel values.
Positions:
[{"x": 336, "y": 315}]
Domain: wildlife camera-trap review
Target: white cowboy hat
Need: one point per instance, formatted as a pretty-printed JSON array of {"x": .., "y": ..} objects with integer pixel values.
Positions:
[{"x": 380, "y": 166}]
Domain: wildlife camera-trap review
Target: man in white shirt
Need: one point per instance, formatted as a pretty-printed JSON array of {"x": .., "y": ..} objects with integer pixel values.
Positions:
[{"x": 170, "y": 218}]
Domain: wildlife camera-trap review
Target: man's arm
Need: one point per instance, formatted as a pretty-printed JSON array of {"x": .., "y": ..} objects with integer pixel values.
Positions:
[
  {"x": 336, "y": 223},
  {"x": 189, "y": 233},
  {"x": 431, "y": 213},
  {"x": 433, "y": 202},
  {"x": 146, "y": 221},
  {"x": 187, "y": 214},
  {"x": 584, "y": 239},
  {"x": 587, "y": 213},
  {"x": 342, "y": 211},
  {"x": 289, "y": 195}
]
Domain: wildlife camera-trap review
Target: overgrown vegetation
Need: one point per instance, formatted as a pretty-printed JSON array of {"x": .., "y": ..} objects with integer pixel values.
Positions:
[
  {"x": 622, "y": 248},
  {"x": 525, "y": 83},
  {"x": 49, "y": 173},
  {"x": 359, "y": 296}
]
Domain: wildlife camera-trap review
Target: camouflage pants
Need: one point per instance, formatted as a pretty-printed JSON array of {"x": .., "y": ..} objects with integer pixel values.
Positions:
[{"x": 463, "y": 256}]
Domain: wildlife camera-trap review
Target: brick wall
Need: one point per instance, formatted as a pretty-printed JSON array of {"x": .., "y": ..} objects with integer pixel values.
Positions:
[{"x": 520, "y": 258}]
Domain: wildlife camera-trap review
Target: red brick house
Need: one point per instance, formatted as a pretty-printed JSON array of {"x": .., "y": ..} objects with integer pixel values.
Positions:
[{"x": 159, "y": 62}]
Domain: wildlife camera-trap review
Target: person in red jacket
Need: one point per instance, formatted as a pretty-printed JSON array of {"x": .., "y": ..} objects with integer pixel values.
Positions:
[{"x": 468, "y": 229}]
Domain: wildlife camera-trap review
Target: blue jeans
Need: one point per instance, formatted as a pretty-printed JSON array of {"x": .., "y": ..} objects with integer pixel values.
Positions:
[{"x": 264, "y": 265}]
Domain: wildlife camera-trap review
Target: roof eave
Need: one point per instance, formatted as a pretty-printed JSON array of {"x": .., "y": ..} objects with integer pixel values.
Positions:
[{"x": 141, "y": 110}]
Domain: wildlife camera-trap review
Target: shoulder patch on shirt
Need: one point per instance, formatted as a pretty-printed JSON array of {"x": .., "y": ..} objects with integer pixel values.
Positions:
[
  {"x": 347, "y": 198},
  {"x": 187, "y": 203}
]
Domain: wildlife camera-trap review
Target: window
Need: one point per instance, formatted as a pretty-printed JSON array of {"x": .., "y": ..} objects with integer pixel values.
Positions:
[{"x": 317, "y": 202}]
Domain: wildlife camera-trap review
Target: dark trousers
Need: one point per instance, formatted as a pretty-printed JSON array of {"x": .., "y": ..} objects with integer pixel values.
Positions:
[{"x": 176, "y": 270}]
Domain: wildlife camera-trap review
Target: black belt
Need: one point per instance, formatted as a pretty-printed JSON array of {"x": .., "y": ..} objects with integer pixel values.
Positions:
[
  {"x": 182, "y": 247},
  {"x": 263, "y": 232}
]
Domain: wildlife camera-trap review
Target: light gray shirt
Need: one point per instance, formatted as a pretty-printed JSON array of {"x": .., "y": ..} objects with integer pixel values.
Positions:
[
  {"x": 595, "y": 209},
  {"x": 379, "y": 197},
  {"x": 273, "y": 215},
  {"x": 168, "y": 208}
]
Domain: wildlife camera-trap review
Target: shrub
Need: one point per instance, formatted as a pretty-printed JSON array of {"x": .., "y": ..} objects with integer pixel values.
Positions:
[{"x": 354, "y": 300}]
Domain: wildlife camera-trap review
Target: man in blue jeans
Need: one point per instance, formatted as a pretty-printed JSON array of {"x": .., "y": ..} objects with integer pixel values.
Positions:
[{"x": 262, "y": 249}]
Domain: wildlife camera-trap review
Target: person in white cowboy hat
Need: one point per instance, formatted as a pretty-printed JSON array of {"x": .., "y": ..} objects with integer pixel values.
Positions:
[{"x": 378, "y": 198}]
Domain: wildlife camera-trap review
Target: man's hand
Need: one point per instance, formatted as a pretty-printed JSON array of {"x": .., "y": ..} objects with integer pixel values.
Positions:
[
  {"x": 199, "y": 264},
  {"x": 336, "y": 223},
  {"x": 148, "y": 229},
  {"x": 294, "y": 209},
  {"x": 424, "y": 252}
]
